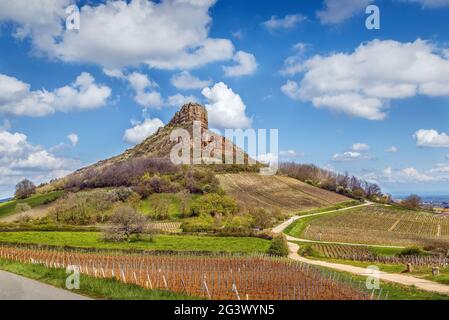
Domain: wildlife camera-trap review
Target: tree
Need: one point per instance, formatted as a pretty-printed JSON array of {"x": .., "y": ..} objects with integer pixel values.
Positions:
[
  {"x": 278, "y": 247},
  {"x": 412, "y": 202},
  {"x": 126, "y": 222},
  {"x": 24, "y": 189}
]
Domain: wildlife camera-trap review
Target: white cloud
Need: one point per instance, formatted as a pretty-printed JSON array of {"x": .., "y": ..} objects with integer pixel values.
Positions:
[
  {"x": 360, "y": 147},
  {"x": 336, "y": 12},
  {"x": 294, "y": 63},
  {"x": 73, "y": 137},
  {"x": 142, "y": 130},
  {"x": 143, "y": 87},
  {"x": 288, "y": 22},
  {"x": 246, "y": 65},
  {"x": 20, "y": 159},
  {"x": 430, "y": 3},
  {"x": 290, "y": 154},
  {"x": 16, "y": 97},
  {"x": 439, "y": 173},
  {"x": 362, "y": 83},
  {"x": 431, "y": 138},
  {"x": 185, "y": 81},
  {"x": 392, "y": 149},
  {"x": 350, "y": 156},
  {"x": 178, "y": 100},
  {"x": 170, "y": 34},
  {"x": 225, "y": 108}
]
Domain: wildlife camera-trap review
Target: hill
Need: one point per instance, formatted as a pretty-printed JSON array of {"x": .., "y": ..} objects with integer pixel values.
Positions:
[{"x": 277, "y": 192}]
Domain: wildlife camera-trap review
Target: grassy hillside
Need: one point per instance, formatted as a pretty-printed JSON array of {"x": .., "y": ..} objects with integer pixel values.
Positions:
[
  {"x": 376, "y": 225},
  {"x": 9, "y": 207},
  {"x": 277, "y": 192},
  {"x": 160, "y": 243}
]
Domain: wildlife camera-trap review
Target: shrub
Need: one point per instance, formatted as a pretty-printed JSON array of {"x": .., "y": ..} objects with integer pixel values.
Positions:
[
  {"x": 83, "y": 208},
  {"x": 199, "y": 224},
  {"x": 278, "y": 247},
  {"x": 413, "y": 202},
  {"x": 22, "y": 207},
  {"x": 161, "y": 208},
  {"x": 24, "y": 218},
  {"x": 126, "y": 223},
  {"x": 214, "y": 205},
  {"x": 411, "y": 251},
  {"x": 25, "y": 189}
]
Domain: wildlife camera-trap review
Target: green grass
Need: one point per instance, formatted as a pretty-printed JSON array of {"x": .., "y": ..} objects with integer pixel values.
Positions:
[
  {"x": 9, "y": 207},
  {"x": 297, "y": 228},
  {"x": 337, "y": 206},
  {"x": 160, "y": 243},
  {"x": 145, "y": 206},
  {"x": 89, "y": 286},
  {"x": 395, "y": 291}
]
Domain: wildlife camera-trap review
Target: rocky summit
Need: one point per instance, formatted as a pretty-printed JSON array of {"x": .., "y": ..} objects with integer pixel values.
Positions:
[{"x": 159, "y": 145}]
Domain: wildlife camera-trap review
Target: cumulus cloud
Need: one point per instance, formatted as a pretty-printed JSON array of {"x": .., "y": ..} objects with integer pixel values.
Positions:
[
  {"x": 294, "y": 63},
  {"x": 185, "y": 81},
  {"x": 288, "y": 22},
  {"x": 335, "y": 12},
  {"x": 168, "y": 34},
  {"x": 290, "y": 154},
  {"x": 20, "y": 159},
  {"x": 178, "y": 100},
  {"x": 225, "y": 108},
  {"x": 392, "y": 149},
  {"x": 246, "y": 64},
  {"x": 350, "y": 156},
  {"x": 363, "y": 83},
  {"x": 73, "y": 138},
  {"x": 408, "y": 175},
  {"x": 430, "y": 3},
  {"x": 360, "y": 147},
  {"x": 431, "y": 138},
  {"x": 17, "y": 98},
  {"x": 142, "y": 130},
  {"x": 144, "y": 95}
]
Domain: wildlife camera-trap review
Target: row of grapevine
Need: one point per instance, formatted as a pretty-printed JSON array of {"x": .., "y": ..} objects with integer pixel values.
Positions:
[{"x": 210, "y": 277}]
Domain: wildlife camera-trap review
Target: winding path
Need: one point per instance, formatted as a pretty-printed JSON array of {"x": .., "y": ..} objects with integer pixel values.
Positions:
[{"x": 406, "y": 280}]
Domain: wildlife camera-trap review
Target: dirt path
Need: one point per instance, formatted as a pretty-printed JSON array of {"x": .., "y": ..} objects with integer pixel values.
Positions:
[
  {"x": 34, "y": 213},
  {"x": 422, "y": 284},
  {"x": 406, "y": 280}
]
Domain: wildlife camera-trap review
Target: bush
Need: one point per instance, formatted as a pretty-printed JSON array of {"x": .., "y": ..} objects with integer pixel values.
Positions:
[
  {"x": 161, "y": 208},
  {"x": 412, "y": 251},
  {"x": 84, "y": 208},
  {"x": 412, "y": 202},
  {"x": 22, "y": 207},
  {"x": 126, "y": 224},
  {"x": 199, "y": 224},
  {"x": 214, "y": 205},
  {"x": 279, "y": 247},
  {"x": 25, "y": 189}
]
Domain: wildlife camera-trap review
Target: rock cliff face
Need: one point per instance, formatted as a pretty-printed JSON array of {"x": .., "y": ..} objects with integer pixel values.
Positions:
[{"x": 189, "y": 113}]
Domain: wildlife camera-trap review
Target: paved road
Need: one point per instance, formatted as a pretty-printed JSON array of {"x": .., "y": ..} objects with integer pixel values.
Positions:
[
  {"x": 406, "y": 280},
  {"x": 14, "y": 287}
]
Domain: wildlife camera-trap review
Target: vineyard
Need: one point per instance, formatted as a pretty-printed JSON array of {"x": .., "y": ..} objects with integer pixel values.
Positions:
[
  {"x": 381, "y": 225},
  {"x": 209, "y": 277},
  {"x": 364, "y": 254},
  {"x": 166, "y": 227},
  {"x": 277, "y": 192}
]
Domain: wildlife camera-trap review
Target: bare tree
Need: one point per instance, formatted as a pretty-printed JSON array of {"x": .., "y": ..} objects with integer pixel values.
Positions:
[
  {"x": 126, "y": 222},
  {"x": 25, "y": 189}
]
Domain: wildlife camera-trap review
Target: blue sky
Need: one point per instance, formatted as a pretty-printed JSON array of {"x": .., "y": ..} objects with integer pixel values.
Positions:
[{"x": 370, "y": 102}]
